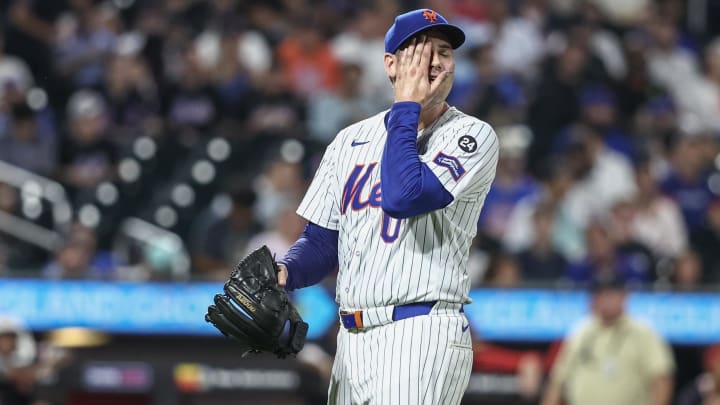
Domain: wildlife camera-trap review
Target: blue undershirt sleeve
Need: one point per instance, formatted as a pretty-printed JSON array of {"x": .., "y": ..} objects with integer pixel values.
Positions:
[
  {"x": 312, "y": 257},
  {"x": 409, "y": 187}
]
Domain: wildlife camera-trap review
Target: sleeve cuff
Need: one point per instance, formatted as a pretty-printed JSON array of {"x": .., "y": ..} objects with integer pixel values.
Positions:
[{"x": 403, "y": 113}]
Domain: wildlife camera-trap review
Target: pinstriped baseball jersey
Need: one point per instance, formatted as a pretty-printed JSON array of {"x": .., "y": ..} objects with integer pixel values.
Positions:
[{"x": 386, "y": 261}]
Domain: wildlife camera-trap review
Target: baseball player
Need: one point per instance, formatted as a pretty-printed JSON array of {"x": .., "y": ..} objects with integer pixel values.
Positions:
[{"x": 394, "y": 206}]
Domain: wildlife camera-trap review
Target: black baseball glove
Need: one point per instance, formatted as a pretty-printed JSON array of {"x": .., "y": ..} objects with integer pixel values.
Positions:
[{"x": 255, "y": 311}]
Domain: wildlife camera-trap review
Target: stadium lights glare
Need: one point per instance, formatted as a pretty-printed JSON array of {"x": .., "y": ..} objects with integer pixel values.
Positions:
[
  {"x": 183, "y": 195},
  {"x": 219, "y": 149},
  {"x": 129, "y": 170},
  {"x": 107, "y": 193},
  {"x": 166, "y": 216},
  {"x": 89, "y": 215},
  {"x": 31, "y": 207},
  {"x": 144, "y": 148},
  {"x": 203, "y": 171}
]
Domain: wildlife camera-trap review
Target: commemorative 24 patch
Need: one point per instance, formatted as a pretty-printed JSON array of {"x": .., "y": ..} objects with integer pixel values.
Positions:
[{"x": 467, "y": 143}]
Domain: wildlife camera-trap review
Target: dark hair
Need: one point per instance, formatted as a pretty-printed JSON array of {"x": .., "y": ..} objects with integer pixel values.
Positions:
[
  {"x": 22, "y": 112},
  {"x": 244, "y": 197},
  {"x": 606, "y": 282}
]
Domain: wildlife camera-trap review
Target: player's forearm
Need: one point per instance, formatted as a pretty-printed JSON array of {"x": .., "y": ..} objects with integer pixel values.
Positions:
[
  {"x": 313, "y": 256},
  {"x": 409, "y": 187},
  {"x": 661, "y": 391}
]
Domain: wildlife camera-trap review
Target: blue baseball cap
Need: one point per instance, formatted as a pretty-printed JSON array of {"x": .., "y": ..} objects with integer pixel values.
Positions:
[{"x": 408, "y": 24}]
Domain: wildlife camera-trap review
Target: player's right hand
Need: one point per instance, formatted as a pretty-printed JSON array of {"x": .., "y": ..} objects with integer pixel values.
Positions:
[
  {"x": 412, "y": 74},
  {"x": 282, "y": 275}
]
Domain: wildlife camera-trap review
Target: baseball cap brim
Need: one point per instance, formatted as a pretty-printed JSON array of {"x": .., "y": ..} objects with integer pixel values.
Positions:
[{"x": 454, "y": 34}]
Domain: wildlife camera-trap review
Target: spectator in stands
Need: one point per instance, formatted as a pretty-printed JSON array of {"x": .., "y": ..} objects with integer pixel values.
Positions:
[
  {"x": 223, "y": 15},
  {"x": 482, "y": 251},
  {"x": 232, "y": 81},
  {"x": 707, "y": 244},
  {"x": 511, "y": 184},
  {"x": 14, "y": 74},
  {"x": 622, "y": 232},
  {"x": 687, "y": 272},
  {"x": 79, "y": 258},
  {"x": 518, "y": 42},
  {"x": 488, "y": 92},
  {"x": 280, "y": 183},
  {"x": 599, "y": 111},
  {"x": 567, "y": 236},
  {"x": 192, "y": 106},
  {"x": 269, "y": 20},
  {"x": 307, "y": 60},
  {"x": 699, "y": 97},
  {"x": 671, "y": 65},
  {"x": 16, "y": 81},
  {"x": 87, "y": 157},
  {"x": 603, "y": 42},
  {"x": 132, "y": 94},
  {"x": 30, "y": 34},
  {"x": 541, "y": 262},
  {"x": 85, "y": 38},
  {"x": 17, "y": 352},
  {"x": 602, "y": 176},
  {"x": 366, "y": 36},
  {"x": 25, "y": 145},
  {"x": 503, "y": 272},
  {"x": 220, "y": 244},
  {"x": 635, "y": 88},
  {"x": 657, "y": 221},
  {"x": 25, "y": 362},
  {"x": 328, "y": 113},
  {"x": 608, "y": 258},
  {"x": 705, "y": 389},
  {"x": 560, "y": 83},
  {"x": 253, "y": 53},
  {"x": 275, "y": 111},
  {"x": 283, "y": 232},
  {"x": 687, "y": 181},
  {"x": 611, "y": 358}
]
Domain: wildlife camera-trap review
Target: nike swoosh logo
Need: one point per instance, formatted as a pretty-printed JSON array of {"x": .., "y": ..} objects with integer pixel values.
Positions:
[
  {"x": 358, "y": 143},
  {"x": 464, "y": 328}
]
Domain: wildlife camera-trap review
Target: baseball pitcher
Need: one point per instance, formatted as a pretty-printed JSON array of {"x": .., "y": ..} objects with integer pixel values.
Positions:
[{"x": 394, "y": 207}]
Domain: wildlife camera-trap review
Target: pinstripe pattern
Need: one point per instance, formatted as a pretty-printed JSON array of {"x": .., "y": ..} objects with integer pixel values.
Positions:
[
  {"x": 370, "y": 273},
  {"x": 421, "y": 360}
]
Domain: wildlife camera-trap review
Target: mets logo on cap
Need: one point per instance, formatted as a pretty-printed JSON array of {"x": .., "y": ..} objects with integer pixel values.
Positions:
[
  {"x": 430, "y": 15},
  {"x": 413, "y": 22}
]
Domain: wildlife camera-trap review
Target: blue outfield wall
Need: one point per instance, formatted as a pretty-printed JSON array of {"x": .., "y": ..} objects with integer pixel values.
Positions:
[{"x": 179, "y": 308}]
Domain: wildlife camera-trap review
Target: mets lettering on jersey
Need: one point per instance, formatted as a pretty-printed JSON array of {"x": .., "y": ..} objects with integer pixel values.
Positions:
[
  {"x": 355, "y": 187},
  {"x": 377, "y": 267}
]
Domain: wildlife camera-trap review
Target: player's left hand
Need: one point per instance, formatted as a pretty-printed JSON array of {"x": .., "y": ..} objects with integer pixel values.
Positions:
[{"x": 413, "y": 74}]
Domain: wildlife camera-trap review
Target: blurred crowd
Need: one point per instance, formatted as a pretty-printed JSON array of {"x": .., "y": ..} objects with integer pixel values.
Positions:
[{"x": 205, "y": 120}]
